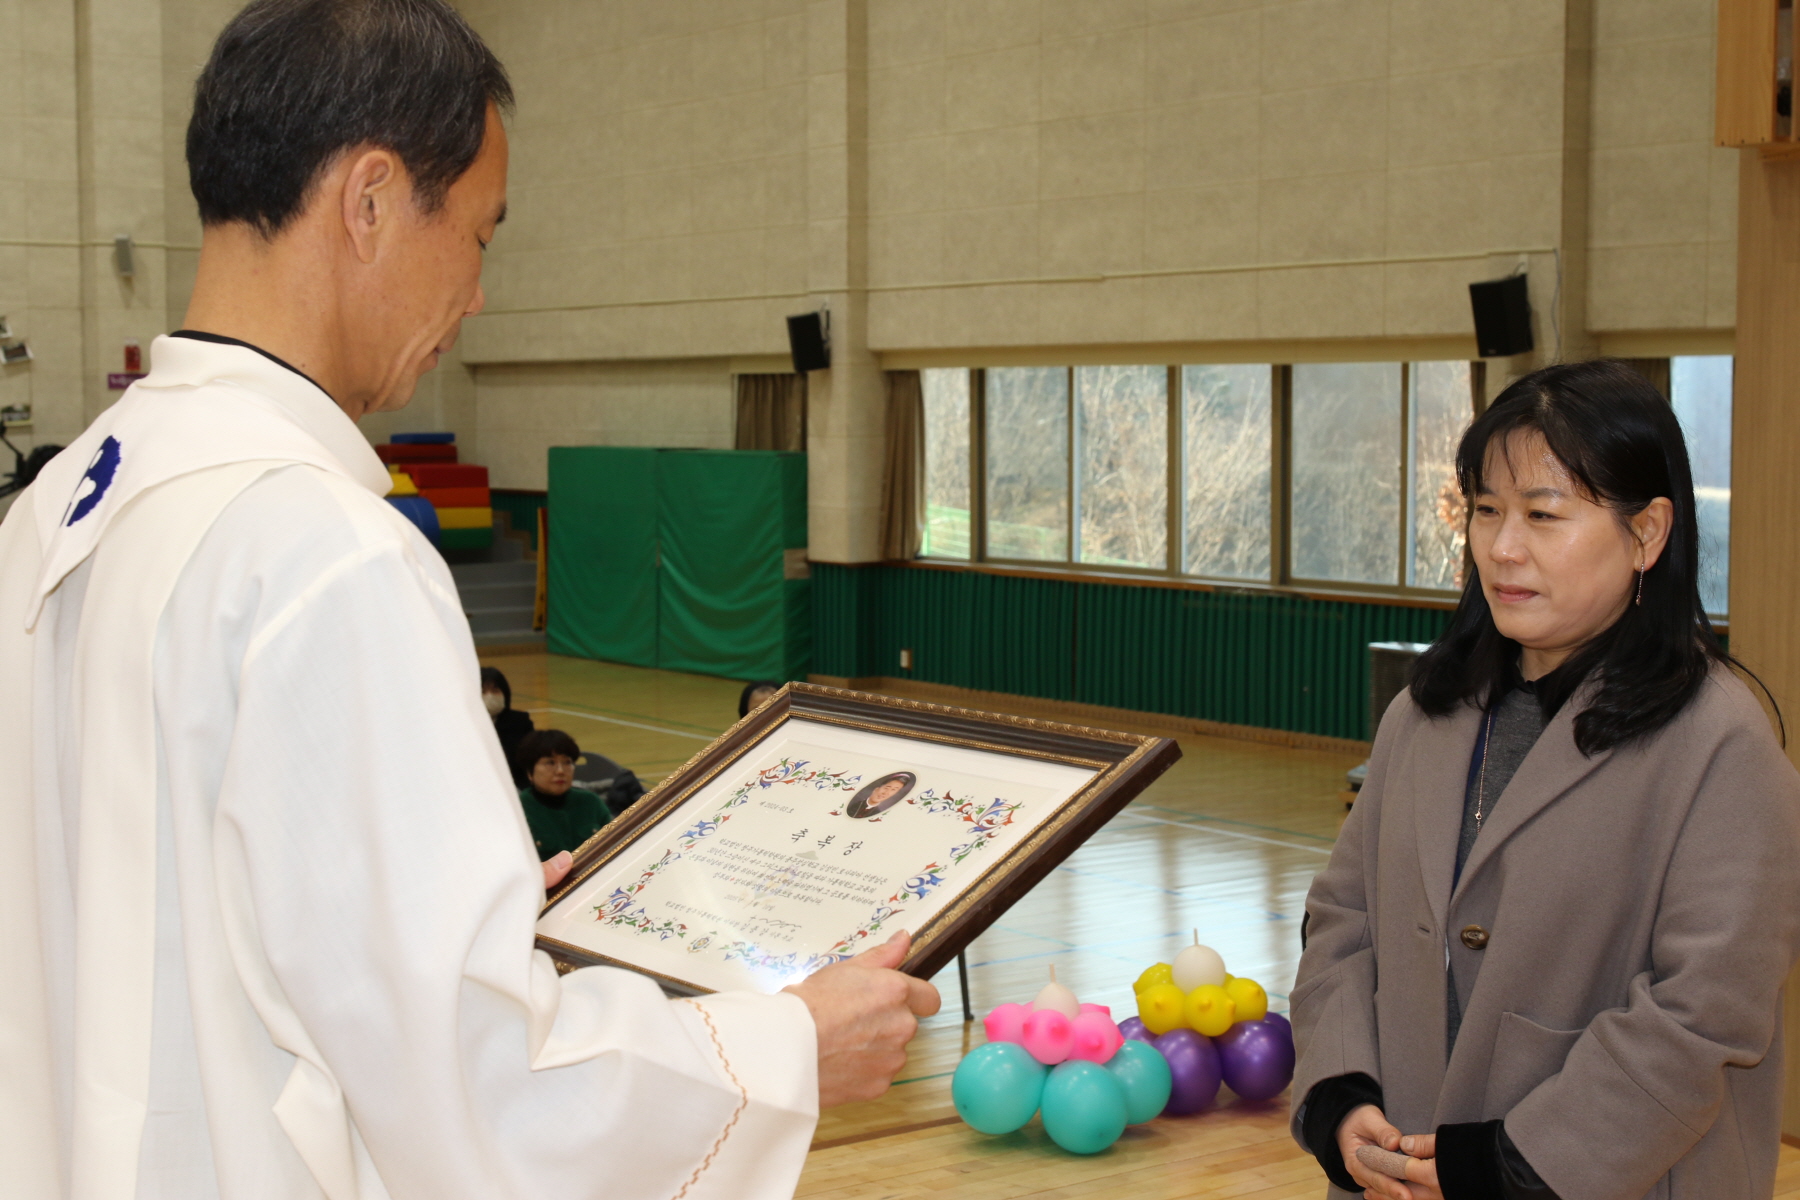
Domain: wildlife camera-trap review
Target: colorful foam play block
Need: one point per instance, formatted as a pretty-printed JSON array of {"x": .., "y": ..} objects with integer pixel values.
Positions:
[
  {"x": 465, "y": 518},
  {"x": 446, "y": 475},
  {"x": 458, "y": 497},
  {"x": 416, "y": 510},
  {"x": 466, "y": 539},
  {"x": 389, "y": 452},
  {"x": 422, "y": 439}
]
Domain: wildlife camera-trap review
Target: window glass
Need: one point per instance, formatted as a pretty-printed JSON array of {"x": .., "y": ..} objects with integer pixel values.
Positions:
[
  {"x": 1225, "y": 428},
  {"x": 1122, "y": 466},
  {"x": 1700, "y": 388},
  {"x": 1442, "y": 405},
  {"x": 946, "y": 462},
  {"x": 1346, "y": 477},
  {"x": 1028, "y": 462}
]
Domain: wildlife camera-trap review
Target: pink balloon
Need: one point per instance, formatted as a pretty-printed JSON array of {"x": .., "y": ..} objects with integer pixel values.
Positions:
[
  {"x": 1048, "y": 1036},
  {"x": 1094, "y": 1037},
  {"x": 1102, "y": 1009},
  {"x": 1007, "y": 1023}
]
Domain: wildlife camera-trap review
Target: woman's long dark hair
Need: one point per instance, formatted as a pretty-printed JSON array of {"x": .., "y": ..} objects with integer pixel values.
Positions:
[{"x": 1619, "y": 439}]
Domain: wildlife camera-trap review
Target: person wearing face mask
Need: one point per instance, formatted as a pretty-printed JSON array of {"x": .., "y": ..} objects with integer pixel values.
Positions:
[
  {"x": 510, "y": 725},
  {"x": 1575, "y": 867}
]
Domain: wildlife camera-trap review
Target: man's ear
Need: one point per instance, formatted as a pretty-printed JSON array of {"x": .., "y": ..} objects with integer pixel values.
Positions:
[{"x": 374, "y": 188}]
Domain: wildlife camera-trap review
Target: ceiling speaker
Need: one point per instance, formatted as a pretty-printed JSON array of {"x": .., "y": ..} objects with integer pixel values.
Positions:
[
  {"x": 1502, "y": 316},
  {"x": 809, "y": 341}
]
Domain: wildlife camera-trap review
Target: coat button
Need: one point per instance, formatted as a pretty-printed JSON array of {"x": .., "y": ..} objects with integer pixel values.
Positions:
[{"x": 1474, "y": 937}]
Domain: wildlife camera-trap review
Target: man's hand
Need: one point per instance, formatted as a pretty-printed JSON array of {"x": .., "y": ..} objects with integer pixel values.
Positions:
[
  {"x": 1368, "y": 1126},
  {"x": 556, "y": 868},
  {"x": 865, "y": 1013}
]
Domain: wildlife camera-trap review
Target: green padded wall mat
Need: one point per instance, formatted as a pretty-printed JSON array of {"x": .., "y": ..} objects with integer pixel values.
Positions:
[
  {"x": 725, "y": 517},
  {"x": 603, "y": 577},
  {"x": 1246, "y": 658}
]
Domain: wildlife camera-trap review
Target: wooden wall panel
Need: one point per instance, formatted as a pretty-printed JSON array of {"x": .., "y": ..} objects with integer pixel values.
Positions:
[
  {"x": 1745, "y": 111},
  {"x": 1765, "y": 468}
]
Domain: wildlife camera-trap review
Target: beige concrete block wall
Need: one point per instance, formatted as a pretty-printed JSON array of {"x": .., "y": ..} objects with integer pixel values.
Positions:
[
  {"x": 1073, "y": 173},
  {"x": 1663, "y": 221}
]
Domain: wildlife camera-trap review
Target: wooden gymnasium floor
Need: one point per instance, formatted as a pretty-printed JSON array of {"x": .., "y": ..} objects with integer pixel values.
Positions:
[{"x": 1226, "y": 842}]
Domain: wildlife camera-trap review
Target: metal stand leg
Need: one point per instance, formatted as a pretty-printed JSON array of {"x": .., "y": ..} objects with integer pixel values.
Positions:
[{"x": 962, "y": 977}]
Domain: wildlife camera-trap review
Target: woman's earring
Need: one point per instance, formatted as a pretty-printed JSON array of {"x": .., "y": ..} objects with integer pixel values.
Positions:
[{"x": 1640, "y": 594}]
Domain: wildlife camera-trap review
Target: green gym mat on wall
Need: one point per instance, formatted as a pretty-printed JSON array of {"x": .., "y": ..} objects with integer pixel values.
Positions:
[{"x": 677, "y": 559}]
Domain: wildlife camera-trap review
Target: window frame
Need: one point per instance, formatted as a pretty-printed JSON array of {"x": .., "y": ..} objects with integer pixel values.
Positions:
[{"x": 1281, "y": 577}]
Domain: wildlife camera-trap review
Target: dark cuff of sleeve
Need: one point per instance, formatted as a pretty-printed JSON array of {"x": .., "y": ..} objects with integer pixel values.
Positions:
[
  {"x": 1521, "y": 1182},
  {"x": 1468, "y": 1161},
  {"x": 1326, "y": 1106}
]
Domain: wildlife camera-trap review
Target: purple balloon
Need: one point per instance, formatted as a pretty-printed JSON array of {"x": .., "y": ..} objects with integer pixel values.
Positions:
[
  {"x": 1280, "y": 1022},
  {"x": 1134, "y": 1031},
  {"x": 1193, "y": 1069},
  {"x": 1257, "y": 1058}
]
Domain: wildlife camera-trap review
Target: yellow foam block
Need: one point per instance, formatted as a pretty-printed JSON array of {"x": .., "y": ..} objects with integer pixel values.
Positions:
[
  {"x": 403, "y": 484},
  {"x": 465, "y": 518}
]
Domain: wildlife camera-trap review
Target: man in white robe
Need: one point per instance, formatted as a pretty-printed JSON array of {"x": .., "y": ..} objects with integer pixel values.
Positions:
[{"x": 266, "y": 896}]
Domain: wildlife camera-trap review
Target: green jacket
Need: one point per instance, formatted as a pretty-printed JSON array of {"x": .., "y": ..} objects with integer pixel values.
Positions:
[{"x": 562, "y": 824}]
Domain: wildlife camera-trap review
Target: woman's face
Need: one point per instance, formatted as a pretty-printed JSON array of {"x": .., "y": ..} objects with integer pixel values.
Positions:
[
  {"x": 553, "y": 774},
  {"x": 1557, "y": 568}
]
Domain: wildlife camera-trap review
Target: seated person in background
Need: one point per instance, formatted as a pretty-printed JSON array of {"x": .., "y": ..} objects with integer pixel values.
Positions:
[
  {"x": 561, "y": 815},
  {"x": 754, "y": 694},
  {"x": 509, "y": 723}
]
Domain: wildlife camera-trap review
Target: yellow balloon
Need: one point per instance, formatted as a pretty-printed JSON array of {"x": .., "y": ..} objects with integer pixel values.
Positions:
[
  {"x": 1161, "y": 1007},
  {"x": 1252, "y": 1002},
  {"x": 1209, "y": 1009},
  {"x": 1160, "y": 973}
]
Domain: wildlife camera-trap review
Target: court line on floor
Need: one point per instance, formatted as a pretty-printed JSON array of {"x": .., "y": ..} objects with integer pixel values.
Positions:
[
  {"x": 1141, "y": 815},
  {"x": 1317, "y": 837},
  {"x": 564, "y": 712}
]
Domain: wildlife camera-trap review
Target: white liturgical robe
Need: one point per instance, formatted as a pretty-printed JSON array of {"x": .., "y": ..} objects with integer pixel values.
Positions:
[{"x": 266, "y": 893}]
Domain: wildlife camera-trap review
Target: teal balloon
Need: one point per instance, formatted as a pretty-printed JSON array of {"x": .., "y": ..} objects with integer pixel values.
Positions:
[
  {"x": 1084, "y": 1107},
  {"x": 997, "y": 1087},
  {"x": 1143, "y": 1072}
]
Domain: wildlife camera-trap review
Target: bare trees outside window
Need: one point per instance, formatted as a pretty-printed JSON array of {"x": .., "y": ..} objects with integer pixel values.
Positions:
[
  {"x": 1028, "y": 463},
  {"x": 1700, "y": 389},
  {"x": 1346, "y": 476},
  {"x": 1440, "y": 406},
  {"x": 1225, "y": 469},
  {"x": 1122, "y": 466},
  {"x": 947, "y": 503}
]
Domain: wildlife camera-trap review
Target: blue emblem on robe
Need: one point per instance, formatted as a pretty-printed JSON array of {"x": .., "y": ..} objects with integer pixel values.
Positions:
[{"x": 100, "y": 474}]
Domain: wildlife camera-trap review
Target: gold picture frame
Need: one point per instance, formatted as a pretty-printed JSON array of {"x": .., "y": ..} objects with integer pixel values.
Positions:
[{"x": 1111, "y": 768}]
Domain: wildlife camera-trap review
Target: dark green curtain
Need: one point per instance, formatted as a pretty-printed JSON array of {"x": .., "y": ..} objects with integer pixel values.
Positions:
[
  {"x": 603, "y": 535},
  {"x": 700, "y": 567}
]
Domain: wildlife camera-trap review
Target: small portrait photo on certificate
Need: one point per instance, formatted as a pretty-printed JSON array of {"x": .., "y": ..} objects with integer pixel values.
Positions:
[{"x": 828, "y": 820}]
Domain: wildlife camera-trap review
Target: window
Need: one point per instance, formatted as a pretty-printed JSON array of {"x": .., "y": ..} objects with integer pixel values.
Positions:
[
  {"x": 1028, "y": 463},
  {"x": 1441, "y": 402},
  {"x": 1122, "y": 466},
  {"x": 1700, "y": 389},
  {"x": 946, "y": 463},
  {"x": 1346, "y": 478},
  {"x": 1225, "y": 470},
  {"x": 1340, "y": 474}
]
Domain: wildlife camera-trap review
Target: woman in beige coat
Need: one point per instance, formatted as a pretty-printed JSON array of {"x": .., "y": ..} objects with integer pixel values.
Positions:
[{"x": 1546, "y": 958}]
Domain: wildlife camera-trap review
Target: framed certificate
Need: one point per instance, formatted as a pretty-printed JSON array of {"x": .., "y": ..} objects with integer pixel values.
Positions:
[{"x": 826, "y": 821}]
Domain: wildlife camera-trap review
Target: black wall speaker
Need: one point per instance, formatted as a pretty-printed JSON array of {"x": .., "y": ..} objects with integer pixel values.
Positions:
[
  {"x": 807, "y": 340},
  {"x": 1502, "y": 316}
]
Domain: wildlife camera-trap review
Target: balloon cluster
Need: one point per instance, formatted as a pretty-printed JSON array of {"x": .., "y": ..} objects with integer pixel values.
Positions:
[
  {"x": 1212, "y": 1028},
  {"x": 1067, "y": 1059}
]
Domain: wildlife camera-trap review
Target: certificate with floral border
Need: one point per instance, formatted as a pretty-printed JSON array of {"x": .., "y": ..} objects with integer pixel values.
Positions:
[{"x": 826, "y": 821}]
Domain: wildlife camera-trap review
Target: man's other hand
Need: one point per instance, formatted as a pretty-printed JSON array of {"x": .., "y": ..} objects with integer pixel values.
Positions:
[
  {"x": 556, "y": 868},
  {"x": 865, "y": 1012}
]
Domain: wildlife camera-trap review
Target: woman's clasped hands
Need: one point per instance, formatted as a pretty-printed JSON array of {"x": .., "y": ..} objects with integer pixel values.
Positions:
[{"x": 1368, "y": 1126}]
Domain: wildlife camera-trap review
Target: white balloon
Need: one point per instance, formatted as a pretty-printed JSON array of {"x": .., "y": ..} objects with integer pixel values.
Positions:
[
  {"x": 1055, "y": 995},
  {"x": 1197, "y": 966}
]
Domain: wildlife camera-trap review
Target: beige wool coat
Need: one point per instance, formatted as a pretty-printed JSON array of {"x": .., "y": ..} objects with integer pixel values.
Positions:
[{"x": 1641, "y": 911}]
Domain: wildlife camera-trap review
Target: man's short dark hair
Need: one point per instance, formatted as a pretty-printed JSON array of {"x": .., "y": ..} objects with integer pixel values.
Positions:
[
  {"x": 540, "y": 744},
  {"x": 293, "y": 84}
]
